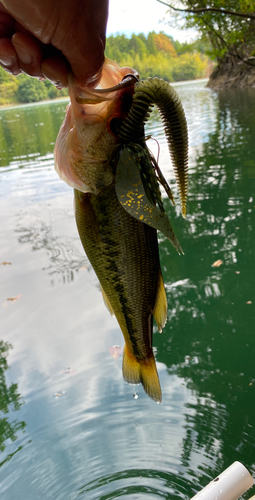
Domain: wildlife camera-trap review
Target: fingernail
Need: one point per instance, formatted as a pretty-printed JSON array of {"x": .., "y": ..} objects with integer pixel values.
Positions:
[
  {"x": 23, "y": 55},
  {"x": 7, "y": 61},
  {"x": 10, "y": 65},
  {"x": 8, "y": 69},
  {"x": 53, "y": 79}
]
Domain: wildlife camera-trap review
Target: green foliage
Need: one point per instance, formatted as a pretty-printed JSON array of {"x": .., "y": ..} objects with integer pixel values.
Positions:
[
  {"x": 30, "y": 90},
  {"x": 23, "y": 88},
  {"x": 9, "y": 399},
  {"x": 157, "y": 55},
  {"x": 154, "y": 55},
  {"x": 8, "y": 87},
  {"x": 189, "y": 67},
  {"x": 222, "y": 34},
  {"x": 8, "y": 91}
]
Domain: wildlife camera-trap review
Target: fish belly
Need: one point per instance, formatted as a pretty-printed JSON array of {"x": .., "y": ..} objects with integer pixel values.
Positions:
[{"x": 124, "y": 254}]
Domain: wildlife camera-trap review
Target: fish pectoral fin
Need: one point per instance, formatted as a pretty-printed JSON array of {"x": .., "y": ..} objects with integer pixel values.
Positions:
[
  {"x": 133, "y": 198},
  {"x": 106, "y": 301},
  {"x": 160, "y": 308},
  {"x": 142, "y": 371}
]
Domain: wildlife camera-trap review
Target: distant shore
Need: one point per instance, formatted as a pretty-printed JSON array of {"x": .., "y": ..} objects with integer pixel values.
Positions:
[
  {"x": 23, "y": 104},
  {"x": 66, "y": 98}
]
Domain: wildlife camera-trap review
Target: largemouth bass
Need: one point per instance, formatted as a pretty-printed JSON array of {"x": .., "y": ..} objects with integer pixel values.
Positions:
[{"x": 101, "y": 152}]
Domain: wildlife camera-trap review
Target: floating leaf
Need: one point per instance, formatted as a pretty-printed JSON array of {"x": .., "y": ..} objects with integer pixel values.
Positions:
[
  {"x": 115, "y": 351},
  {"x": 68, "y": 371},
  {"x": 5, "y": 263},
  {"x": 11, "y": 299},
  {"x": 83, "y": 268},
  {"x": 217, "y": 263},
  {"x": 59, "y": 394}
]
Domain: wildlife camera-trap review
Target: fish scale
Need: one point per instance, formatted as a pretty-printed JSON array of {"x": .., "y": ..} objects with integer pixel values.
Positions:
[
  {"x": 101, "y": 152},
  {"x": 128, "y": 282}
]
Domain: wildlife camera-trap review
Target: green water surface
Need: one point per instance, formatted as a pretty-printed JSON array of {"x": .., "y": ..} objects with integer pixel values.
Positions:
[{"x": 70, "y": 427}]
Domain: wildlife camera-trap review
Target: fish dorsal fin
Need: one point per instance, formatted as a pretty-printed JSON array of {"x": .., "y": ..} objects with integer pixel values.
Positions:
[
  {"x": 106, "y": 301},
  {"x": 160, "y": 308},
  {"x": 132, "y": 196}
]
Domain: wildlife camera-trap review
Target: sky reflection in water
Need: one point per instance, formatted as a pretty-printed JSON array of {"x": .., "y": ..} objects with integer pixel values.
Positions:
[{"x": 76, "y": 430}]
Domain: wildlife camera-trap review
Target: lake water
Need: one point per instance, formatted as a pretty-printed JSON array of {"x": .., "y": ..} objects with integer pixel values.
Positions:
[{"x": 70, "y": 427}]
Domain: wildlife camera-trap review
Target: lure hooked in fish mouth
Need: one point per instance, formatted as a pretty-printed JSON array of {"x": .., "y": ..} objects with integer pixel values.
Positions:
[
  {"x": 157, "y": 91},
  {"x": 101, "y": 152},
  {"x": 130, "y": 131},
  {"x": 136, "y": 168}
]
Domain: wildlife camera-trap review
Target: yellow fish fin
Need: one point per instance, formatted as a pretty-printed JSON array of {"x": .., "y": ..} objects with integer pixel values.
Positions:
[
  {"x": 160, "y": 308},
  {"x": 107, "y": 302},
  {"x": 142, "y": 371}
]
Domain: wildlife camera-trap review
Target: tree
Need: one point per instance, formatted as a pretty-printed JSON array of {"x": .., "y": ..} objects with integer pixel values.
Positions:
[
  {"x": 30, "y": 89},
  {"x": 164, "y": 43},
  {"x": 7, "y": 91},
  {"x": 138, "y": 46},
  {"x": 227, "y": 24}
]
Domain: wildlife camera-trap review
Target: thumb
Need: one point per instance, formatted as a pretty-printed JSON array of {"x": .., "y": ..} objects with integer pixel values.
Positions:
[{"x": 84, "y": 43}]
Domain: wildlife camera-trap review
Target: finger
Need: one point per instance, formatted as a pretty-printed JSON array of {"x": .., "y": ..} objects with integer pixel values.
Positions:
[
  {"x": 101, "y": 17},
  {"x": 8, "y": 57},
  {"x": 83, "y": 46},
  {"x": 86, "y": 61},
  {"x": 29, "y": 53},
  {"x": 6, "y": 25},
  {"x": 56, "y": 68}
]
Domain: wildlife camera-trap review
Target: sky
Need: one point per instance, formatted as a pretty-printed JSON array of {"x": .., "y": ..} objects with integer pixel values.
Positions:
[{"x": 142, "y": 16}]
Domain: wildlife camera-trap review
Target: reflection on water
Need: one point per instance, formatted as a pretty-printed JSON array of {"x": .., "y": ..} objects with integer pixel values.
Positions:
[
  {"x": 28, "y": 133},
  {"x": 157, "y": 484},
  {"x": 65, "y": 259},
  {"x": 10, "y": 400},
  {"x": 94, "y": 440}
]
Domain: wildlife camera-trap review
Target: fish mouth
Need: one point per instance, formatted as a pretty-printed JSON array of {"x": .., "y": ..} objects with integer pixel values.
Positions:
[
  {"x": 101, "y": 95},
  {"x": 127, "y": 81},
  {"x": 113, "y": 80}
]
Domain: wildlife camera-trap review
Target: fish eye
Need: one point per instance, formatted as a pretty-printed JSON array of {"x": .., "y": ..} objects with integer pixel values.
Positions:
[{"x": 115, "y": 125}]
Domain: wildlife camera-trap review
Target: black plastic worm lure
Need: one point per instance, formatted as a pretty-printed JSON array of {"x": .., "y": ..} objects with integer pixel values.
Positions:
[{"x": 138, "y": 174}]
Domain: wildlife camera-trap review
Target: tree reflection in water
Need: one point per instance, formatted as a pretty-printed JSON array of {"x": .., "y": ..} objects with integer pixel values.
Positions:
[
  {"x": 209, "y": 338},
  {"x": 10, "y": 399}
]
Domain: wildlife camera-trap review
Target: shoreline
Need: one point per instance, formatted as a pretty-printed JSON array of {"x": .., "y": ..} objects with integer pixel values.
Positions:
[
  {"x": 232, "y": 75},
  {"x": 26, "y": 104},
  {"x": 66, "y": 98}
]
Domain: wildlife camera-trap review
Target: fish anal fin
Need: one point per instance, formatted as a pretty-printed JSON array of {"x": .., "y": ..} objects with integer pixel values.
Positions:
[
  {"x": 142, "y": 371},
  {"x": 160, "y": 308},
  {"x": 107, "y": 302},
  {"x": 130, "y": 367}
]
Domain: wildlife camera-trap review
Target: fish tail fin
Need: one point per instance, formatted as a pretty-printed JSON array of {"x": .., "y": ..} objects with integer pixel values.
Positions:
[{"x": 142, "y": 371}]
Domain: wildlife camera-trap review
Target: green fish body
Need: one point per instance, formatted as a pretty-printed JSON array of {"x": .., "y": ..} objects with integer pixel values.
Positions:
[
  {"x": 118, "y": 206},
  {"x": 124, "y": 254}
]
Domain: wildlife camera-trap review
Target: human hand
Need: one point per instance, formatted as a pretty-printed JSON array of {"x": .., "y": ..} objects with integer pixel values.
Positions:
[{"x": 48, "y": 38}]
